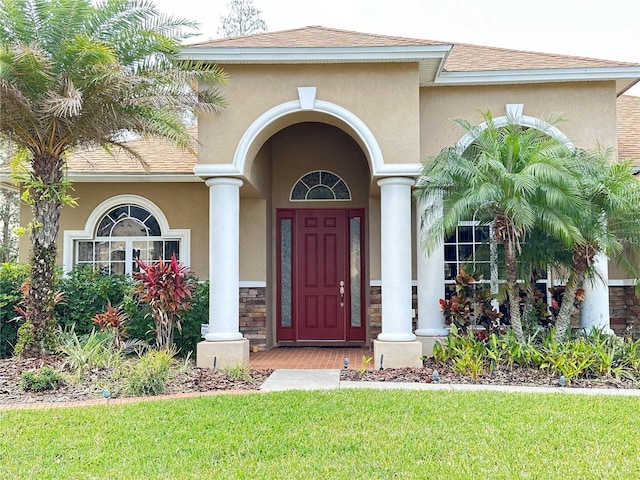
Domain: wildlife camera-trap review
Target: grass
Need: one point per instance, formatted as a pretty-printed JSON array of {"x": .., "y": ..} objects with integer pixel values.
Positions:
[{"x": 338, "y": 434}]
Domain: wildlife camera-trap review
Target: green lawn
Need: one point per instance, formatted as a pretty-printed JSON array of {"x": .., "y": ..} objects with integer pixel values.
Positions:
[{"x": 341, "y": 434}]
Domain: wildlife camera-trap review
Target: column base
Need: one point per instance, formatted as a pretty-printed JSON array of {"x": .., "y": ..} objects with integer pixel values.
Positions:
[
  {"x": 226, "y": 354},
  {"x": 428, "y": 341},
  {"x": 397, "y": 354}
]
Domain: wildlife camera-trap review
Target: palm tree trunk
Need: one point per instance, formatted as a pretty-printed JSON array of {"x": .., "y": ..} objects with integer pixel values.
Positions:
[
  {"x": 511, "y": 268},
  {"x": 563, "y": 320},
  {"x": 38, "y": 331}
]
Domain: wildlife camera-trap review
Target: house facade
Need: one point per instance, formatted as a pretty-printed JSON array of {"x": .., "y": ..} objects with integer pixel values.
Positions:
[{"x": 298, "y": 207}]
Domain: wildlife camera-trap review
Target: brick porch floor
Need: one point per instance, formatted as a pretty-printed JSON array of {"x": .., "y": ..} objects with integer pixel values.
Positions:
[{"x": 310, "y": 357}]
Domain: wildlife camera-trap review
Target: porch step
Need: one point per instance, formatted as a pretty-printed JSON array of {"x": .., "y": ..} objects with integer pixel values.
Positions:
[{"x": 284, "y": 379}]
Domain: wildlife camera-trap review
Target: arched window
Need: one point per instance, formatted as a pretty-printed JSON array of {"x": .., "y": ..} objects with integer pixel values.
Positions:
[
  {"x": 320, "y": 185},
  {"x": 120, "y": 231}
]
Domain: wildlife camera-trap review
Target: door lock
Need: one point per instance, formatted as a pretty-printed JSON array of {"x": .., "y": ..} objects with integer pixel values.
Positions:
[{"x": 342, "y": 293}]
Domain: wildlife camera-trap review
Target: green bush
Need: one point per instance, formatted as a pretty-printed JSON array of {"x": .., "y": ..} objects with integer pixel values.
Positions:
[
  {"x": 44, "y": 379},
  {"x": 187, "y": 339},
  {"x": 12, "y": 276},
  {"x": 150, "y": 374},
  {"x": 141, "y": 325},
  {"x": 87, "y": 292}
]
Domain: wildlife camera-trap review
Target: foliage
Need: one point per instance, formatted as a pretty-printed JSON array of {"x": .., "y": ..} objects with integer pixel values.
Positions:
[
  {"x": 12, "y": 276},
  {"x": 47, "y": 342},
  {"x": 87, "y": 293},
  {"x": 327, "y": 435},
  {"x": 112, "y": 320},
  {"x": 150, "y": 374},
  {"x": 471, "y": 305},
  {"x": 237, "y": 373},
  {"x": 44, "y": 379},
  {"x": 366, "y": 361},
  {"x": 77, "y": 74},
  {"x": 515, "y": 178},
  {"x": 609, "y": 224},
  {"x": 243, "y": 19},
  {"x": 589, "y": 355},
  {"x": 84, "y": 352},
  {"x": 166, "y": 288}
]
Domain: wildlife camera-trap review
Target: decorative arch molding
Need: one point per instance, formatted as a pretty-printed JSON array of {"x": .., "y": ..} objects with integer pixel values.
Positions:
[
  {"x": 514, "y": 115},
  {"x": 307, "y": 102},
  {"x": 70, "y": 236}
]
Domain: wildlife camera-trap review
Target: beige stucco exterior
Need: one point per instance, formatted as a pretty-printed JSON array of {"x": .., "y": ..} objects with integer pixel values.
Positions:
[
  {"x": 383, "y": 96},
  {"x": 587, "y": 110}
]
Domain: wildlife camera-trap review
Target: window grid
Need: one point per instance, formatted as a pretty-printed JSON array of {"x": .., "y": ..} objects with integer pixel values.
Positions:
[
  {"x": 123, "y": 234},
  {"x": 320, "y": 185}
]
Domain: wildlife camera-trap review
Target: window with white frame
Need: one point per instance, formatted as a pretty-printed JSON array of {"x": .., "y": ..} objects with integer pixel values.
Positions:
[
  {"x": 469, "y": 248},
  {"x": 125, "y": 232}
]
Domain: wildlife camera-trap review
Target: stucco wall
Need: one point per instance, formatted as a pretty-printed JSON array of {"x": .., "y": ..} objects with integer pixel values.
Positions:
[
  {"x": 384, "y": 97},
  {"x": 588, "y": 110}
]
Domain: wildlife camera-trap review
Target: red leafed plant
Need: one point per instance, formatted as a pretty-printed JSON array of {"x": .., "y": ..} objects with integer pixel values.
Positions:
[
  {"x": 112, "y": 319},
  {"x": 166, "y": 287}
]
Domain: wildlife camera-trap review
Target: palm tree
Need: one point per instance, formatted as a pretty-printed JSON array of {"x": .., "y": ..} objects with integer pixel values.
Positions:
[
  {"x": 511, "y": 177},
  {"x": 610, "y": 224},
  {"x": 75, "y": 74}
]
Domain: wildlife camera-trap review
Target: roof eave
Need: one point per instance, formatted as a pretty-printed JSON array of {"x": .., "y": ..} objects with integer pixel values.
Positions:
[
  {"x": 624, "y": 76},
  {"x": 106, "y": 177},
  {"x": 269, "y": 55}
]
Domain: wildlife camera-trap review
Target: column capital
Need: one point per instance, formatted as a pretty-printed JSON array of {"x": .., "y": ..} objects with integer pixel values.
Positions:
[
  {"x": 224, "y": 181},
  {"x": 396, "y": 181}
]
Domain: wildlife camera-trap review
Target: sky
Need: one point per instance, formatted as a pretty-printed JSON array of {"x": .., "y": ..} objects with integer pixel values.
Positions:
[{"x": 607, "y": 29}]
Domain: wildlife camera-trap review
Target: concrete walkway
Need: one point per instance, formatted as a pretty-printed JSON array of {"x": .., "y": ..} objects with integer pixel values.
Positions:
[{"x": 288, "y": 379}]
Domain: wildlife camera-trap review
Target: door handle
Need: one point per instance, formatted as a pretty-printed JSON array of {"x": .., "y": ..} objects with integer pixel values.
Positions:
[{"x": 342, "y": 293}]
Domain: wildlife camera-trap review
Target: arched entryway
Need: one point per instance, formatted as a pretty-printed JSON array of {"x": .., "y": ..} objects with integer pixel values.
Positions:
[{"x": 319, "y": 201}]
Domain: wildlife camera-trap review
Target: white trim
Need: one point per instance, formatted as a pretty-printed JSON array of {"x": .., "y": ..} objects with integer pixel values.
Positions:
[
  {"x": 514, "y": 114},
  {"x": 628, "y": 282},
  {"x": 270, "y": 55},
  {"x": 252, "y": 284},
  {"x": 70, "y": 236},
  {"x": 375, "y": 283},
  {"x": 307, "y": 97},
  {"x": 134, "y": 178},
  {"x": 493, "y": 77}
]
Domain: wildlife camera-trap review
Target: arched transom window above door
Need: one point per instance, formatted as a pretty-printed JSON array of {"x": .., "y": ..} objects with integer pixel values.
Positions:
[
  {"x": 320, "y": 185},
  {"x": 119, "y": 231}
]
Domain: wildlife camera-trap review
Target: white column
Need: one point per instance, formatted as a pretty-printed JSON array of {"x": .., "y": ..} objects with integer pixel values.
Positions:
[
  {"x": 224, "y": 259},
  {"x": 395, "y": 205},
  {"x": 430, "y": 274},
  {"x": 594, "y": 311}
]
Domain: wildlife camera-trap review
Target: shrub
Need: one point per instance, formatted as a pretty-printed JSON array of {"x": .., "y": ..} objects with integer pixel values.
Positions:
[
  {"x": 84, "y": 352},
  {"x": 150, "y": 374},
  {"x": 44, "y": 379},
  {"x": 12, "y": 276},
  {"x": 87, "y": 292},
  {"x": 166, "y": 288}
]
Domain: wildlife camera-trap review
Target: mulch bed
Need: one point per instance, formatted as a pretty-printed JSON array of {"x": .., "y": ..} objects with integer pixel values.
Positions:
[
  {"x": 194, "y": 380},
  {"x": 91, "y": 387},
  {"x": 516, "y": 376}
]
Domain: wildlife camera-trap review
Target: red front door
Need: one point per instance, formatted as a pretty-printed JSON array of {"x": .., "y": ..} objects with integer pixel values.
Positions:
[
  {"x": 315, "y": 275},
  {"x": 321, "y": 272}
]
